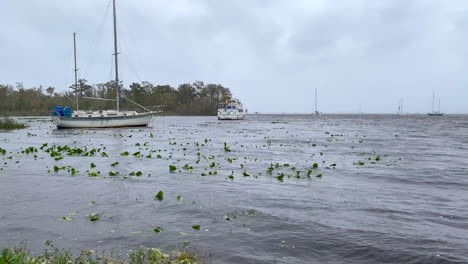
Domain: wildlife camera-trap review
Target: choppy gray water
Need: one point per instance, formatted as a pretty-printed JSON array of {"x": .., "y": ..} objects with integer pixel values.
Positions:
[{"x": 410, "y": 205}]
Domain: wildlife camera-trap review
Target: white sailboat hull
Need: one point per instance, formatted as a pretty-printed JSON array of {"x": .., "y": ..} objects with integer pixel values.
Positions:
[{"x": 103, "y": 122}]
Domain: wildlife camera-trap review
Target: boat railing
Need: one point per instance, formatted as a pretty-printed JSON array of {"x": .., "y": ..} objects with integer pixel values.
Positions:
[{"x": 158, "y": 108}]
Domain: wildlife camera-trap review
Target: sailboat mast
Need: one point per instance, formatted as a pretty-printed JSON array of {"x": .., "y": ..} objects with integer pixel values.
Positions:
[
  {"x": 439, "y": 105},
  {"x": 401, "y": 105},
  {"x": 117, "y": 86},
  {"x": 433, "y": 97},
  {"x": 316, "y": 101},
  {"x": 76, "y": 71}
]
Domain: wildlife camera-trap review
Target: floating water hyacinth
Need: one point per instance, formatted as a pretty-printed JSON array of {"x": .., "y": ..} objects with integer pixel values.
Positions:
[
  {"x": 94, "y": 173},
  {"x": 226, "y": 148},
  {"x": 188, "y": 167},
  {"x": 93, "y": 217},
  {"x": 159, "y": 196},
  {"x": 158, "y": 229},
  {"x": 270, "y": 170},
  {"x": 280, "y": 177}
]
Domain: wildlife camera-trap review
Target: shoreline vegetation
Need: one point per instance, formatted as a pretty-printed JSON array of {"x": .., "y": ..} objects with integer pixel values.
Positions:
[
  {"x": 54, "y": 255},
  {"x": 10, "y": 124},
  {"x": 197, "y": 98}
]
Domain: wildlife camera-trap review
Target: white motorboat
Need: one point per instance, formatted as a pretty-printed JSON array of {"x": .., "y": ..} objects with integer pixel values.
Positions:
[{"x": 232, "y": 109}]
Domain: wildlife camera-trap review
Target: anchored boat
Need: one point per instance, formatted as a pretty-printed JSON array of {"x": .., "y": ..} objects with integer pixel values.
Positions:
[
  {"x": 232, "y": 109},
  {"x": 67, "y": 118},
  {"x": 435, "y": 113}
]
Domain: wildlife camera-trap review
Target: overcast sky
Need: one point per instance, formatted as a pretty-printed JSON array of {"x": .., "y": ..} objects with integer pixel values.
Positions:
[{"x": 361, "y": 55}]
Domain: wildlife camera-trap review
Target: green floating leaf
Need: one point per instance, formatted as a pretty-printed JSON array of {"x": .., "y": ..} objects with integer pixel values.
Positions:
[
  {"x": 92, "y": 165},
  {"x": 93, "y": 217},
  {"x": 115, "y": 164},
  {"x": 246, "y": 174},
  {"x": 179, "y": 198},
  {"x": 251, "y": 212},
  {"x": 172, "y": 168},
  {"x": 124, "y": 154},
  {"x": 113, "y": 173},
  {"x": 188, "y": 167},
  {"x": 159, "y": 196},
  {"x": 158, "y": 229},
  {"x": 226, "y": 148},
  {"x": 196, "y": 227},
  {"x": 315, "y": 165},
  {"x": 136, "y": 173}
]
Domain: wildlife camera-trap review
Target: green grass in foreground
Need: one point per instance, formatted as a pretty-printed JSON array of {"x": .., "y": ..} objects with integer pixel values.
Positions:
[
  {"x": 20, "y": 255},
  {"x": 8, "y": 123}
]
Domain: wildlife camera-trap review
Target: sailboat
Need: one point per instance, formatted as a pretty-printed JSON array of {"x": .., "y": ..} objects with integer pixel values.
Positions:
[
  {"x": 317, "y": 113},
  {"x": 400, "y": 107},
  {"x": 67, "y": 118},
  {"x": 435, "y": 113}
]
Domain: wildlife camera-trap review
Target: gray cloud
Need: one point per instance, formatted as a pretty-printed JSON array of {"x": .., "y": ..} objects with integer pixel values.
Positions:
[{"x": 272, "y": 54}]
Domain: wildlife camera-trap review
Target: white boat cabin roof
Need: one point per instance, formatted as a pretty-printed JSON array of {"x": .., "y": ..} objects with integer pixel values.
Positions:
[{"x": 103, "y": 113}]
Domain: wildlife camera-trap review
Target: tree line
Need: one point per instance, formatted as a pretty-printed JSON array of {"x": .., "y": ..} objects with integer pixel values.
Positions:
[{"x": 195, "y": 98}]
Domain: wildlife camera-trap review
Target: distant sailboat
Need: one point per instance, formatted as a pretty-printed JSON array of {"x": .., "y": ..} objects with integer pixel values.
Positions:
[
  {"x": 435, "y": 113},
  {"x": 317, "y": 113},
  {"x": 400, "y": 107}
]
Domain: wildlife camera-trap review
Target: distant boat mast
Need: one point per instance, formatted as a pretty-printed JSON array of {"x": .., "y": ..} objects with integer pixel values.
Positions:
[
  {"x": 433, "y": 98},
  {"x": 316, "y": 107},
  {"x": 400, "y": 107}
]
